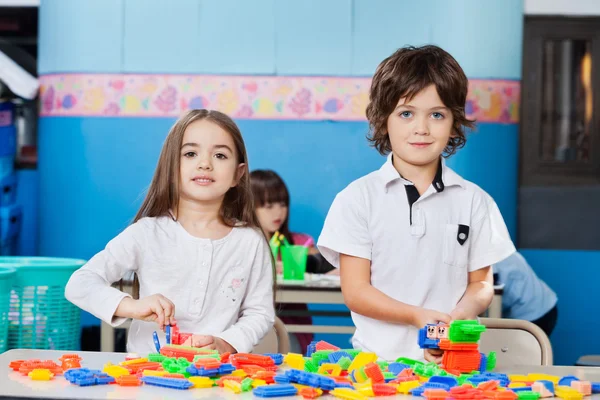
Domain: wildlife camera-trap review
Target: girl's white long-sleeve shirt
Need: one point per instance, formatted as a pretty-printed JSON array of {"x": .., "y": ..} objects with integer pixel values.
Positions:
[{"x": 219, "y": 287}]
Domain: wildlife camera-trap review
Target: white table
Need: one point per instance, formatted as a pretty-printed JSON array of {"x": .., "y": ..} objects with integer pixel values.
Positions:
[
  {"x": 14, "y": 385},
  {"x": 315, "y": 289}
]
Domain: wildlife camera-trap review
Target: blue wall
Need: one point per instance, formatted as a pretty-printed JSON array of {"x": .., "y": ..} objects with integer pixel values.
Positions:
[{"x": 93, "y": 170}]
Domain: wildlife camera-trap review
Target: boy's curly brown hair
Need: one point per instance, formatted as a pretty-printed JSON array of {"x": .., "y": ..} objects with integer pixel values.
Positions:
[{"x": 404, "y": 74}]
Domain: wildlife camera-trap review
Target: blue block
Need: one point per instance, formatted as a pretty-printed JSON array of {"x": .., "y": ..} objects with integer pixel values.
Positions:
[
  {"x": 483, "y": 363},
  {"x": 337, "y": 355},
  {"x": 311, "y": 348},
  {"x": 428, "y": 385},
  {"x": 449, "y": 381},
  {"x": 275, "y": 391},
  {"x": 395, "y": 368},
  {"x": 276, "y": 357},
  {"x": 425, "y": 342},
  {"x": 521, "y": 389},
  {"x": 281, "y": 379},
  {"x": 566, "y": 380},
  {"x": 171, "y": 383}
]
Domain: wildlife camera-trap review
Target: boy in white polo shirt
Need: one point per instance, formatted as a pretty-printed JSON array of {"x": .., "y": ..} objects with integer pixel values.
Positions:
[{"x": 414, "y": 241}]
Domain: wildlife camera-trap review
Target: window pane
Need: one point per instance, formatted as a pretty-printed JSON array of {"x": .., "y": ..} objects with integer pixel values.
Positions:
[{"x": 566, "y": 101}]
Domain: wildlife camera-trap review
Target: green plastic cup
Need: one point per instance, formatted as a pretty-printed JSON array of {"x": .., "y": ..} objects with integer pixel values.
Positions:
[{"x": 294, "y": 262}]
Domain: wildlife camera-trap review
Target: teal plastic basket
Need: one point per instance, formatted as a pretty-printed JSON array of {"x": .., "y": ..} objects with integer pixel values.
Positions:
[
  {"x": 40, "y": 317},
  {"x": 7, "y": 278}
]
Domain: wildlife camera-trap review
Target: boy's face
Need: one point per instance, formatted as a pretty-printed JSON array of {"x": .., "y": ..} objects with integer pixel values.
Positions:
[{"x": 419, "y": 129}]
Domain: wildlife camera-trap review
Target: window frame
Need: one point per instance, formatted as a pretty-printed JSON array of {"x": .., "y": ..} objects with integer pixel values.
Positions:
[{"x": 534, "y": 171}]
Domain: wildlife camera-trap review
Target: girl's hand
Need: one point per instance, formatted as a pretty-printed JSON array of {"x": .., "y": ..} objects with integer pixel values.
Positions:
[
  {"x": 209, "y": 342},
  {"x": 156, "y": 308},
  {"x": 424, "y": 316},
  {"x": 434, "y": 355}
]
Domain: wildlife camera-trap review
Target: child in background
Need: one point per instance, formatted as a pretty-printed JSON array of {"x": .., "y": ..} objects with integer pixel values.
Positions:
[
  {"x": 272, "y": 202},
  {"x": 525, "y": 295},
  {"x": 414, "y": 241},
  {"x": 195, "y": 245}
]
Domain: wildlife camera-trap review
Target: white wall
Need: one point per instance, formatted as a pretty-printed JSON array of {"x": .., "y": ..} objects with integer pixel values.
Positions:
[{"x": 562, "y": 7}]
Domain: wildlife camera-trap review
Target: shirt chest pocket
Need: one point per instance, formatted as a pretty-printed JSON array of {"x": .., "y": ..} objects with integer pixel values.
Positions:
[{"x": 457, "y": 242}]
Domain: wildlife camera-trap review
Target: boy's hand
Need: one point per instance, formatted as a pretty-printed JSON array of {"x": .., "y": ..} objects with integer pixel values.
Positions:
[
  {"x": 460, "y": 314},
  {"x": 424, "y": 316},
  {"x": 209, "y": 342},
  {"x": 434, "y": 355},
  {"x": 156, "y": 308}
]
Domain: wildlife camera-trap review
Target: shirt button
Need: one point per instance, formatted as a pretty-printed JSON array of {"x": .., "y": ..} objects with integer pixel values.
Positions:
[
  {"x": 204, "y": 264},
  {"x": 197, "y": 301}
]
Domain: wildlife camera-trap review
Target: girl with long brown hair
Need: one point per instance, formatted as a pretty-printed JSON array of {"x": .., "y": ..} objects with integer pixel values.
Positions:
[{"x": 195, "y": 246}]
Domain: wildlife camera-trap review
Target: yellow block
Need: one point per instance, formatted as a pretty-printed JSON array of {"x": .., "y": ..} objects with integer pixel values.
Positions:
[
  {"x": 367, "y": 390},
  {"x": 134, "y": 361},
  {"x": 348, "y": 394},
  {"x": 406, "y": 387},
  {"x": 335, "y": 369},
  {"x": 115, "y": 370},
  {"x": 518, "y": 378},
  {"x": 294, "y": 360},
  {"x": 201, "y": 382},
  {"x": 516, "y": 385},
  {"x": 258, "y": 382},
  {"x": 361, "y": 360},
  {"x": 234, "y": 386},
  {"x": 148, "y": 372},
  {"x": 239, "y": 372},
  {"x": 567, "y": 393},
  {"x": 41, "y": 375},
  {"x": 543, "y": 377}
]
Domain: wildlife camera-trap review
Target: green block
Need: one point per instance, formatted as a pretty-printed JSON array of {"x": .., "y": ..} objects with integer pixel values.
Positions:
[
  {"x": 156, "y": 357},
  {"x": 246, "y": 385},
  {"x": 528, "y": 395},
  {"x": 465, "y": 331},
  {"x": 353, "y": 352},
  {"x": 389, "y": 375},
  {"x": 202, "y": 356},
  {"x": 361, "y": 372},
  {"x": 382, "y": 365},
  {"x": 409, "y": 361},
  {"x": 491, "y": 361},
  {"x": 344, "y": 362},
  {"x": 310, "y": 367},
  {"x": 419, "y": 369}
]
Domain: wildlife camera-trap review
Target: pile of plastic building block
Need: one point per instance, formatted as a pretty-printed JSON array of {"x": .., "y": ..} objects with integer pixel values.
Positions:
[{"x": 464, "y": 373}]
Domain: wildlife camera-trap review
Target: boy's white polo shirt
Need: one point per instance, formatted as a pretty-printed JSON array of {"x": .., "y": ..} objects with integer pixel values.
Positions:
[{"x": 421, "y": 253}]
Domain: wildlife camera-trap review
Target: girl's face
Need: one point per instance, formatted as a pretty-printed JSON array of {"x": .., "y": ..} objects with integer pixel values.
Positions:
[
  {"x": 271, "y": 216},
  {"x": 208, "y": 165}
]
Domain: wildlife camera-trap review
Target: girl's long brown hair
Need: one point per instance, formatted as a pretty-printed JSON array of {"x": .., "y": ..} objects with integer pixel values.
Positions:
[{"x": 163, "y": 193}]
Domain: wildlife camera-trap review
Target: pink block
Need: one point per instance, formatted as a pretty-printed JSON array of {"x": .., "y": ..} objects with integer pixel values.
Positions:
[{"x": 583, "y": 387}]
